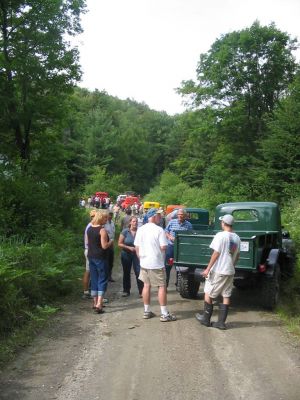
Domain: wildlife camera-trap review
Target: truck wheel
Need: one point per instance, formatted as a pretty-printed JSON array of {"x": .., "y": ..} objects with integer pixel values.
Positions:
[
  {"x": 270, "y": 289},
  {"x": 187, "y": 286},
  {"x": 241, "y": 285}
]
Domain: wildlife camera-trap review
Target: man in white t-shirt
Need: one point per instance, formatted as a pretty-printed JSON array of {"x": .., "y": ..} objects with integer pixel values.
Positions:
[
  {"x": 220, "y": 271},
  {"x": 151, "y": 244}
]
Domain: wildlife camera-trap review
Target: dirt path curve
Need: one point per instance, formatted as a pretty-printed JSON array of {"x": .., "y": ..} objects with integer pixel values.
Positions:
[{"x": 118, "y": 355}]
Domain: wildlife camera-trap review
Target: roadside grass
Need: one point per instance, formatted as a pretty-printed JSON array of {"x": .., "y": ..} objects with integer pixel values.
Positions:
[
  {"x": 23, "y": 336},
  {"x": 288, "y": 309},
  {"x": 292, "y": 323}
]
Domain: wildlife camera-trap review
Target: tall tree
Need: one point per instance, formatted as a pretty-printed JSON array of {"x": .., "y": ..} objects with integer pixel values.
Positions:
[
  {"x": 241, "y": 78},
  {"x": 255, "y": 64},
  {"x": 37, "y": 66},
  {"x": 279, "y": 167}
]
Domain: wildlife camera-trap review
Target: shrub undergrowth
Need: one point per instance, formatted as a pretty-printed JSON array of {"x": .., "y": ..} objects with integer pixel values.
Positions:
[{"x": 35, "y": 274}]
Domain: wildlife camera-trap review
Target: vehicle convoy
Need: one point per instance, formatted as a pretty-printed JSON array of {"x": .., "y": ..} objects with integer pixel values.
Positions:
[
  {"x": 150, "y": 204},
  {"x": 266, "y": 252},
  {"x": 120, "y": 199},
  {"x": 129, "y": 201},
  {"x": 172, "y": 207}
]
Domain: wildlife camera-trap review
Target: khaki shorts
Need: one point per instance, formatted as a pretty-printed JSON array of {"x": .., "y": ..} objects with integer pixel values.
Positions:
[
  {"x": 153, "y": 277},
  {"x": 217, "y": 284}
]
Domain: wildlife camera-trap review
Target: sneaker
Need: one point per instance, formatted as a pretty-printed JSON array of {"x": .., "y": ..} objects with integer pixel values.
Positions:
[
  {"x": 86, "y": 296},
  {"x": 125, "y": 294},
  {"x": 105, "y": 301},
  {"x": 168, "y": 318},
  {"x": 148, "y": 314}
]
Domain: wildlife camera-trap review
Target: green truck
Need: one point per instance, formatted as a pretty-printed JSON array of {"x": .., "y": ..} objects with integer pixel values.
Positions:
[{"x": 266, "y": 252}]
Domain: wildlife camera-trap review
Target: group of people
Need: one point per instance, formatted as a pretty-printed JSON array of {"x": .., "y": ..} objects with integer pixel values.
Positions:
[{"x": 147, "y": 250}]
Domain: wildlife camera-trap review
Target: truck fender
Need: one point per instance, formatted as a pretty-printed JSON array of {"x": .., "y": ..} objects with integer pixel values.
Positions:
[
  {"x": 272, "y": 261},
  {"x": 182, "y": 270},
  {"x": 198, "y": 275}
]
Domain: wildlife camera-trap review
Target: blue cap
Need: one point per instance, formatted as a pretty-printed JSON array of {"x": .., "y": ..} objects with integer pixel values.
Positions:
[{"x": 151, "y": 212}]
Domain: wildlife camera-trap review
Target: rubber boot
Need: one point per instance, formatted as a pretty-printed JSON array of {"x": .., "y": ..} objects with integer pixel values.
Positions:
[
  {"x": 223, "y": 312},
  {"x": 204, "y": 318}
]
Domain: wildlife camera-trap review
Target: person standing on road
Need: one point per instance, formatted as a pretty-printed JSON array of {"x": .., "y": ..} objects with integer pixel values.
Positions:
[
  {"x": 177, "y": 224},
  {"x": 125, "y": 220},
  {"x": 86, "y": 275},
  {"x": 111, "y": 231},
  {"x": 151, "y": 243},
  {"x": 116, "y": 210},
  {"x": 219, "y": 272},
  {"x": 129, "y": 258},
  {"x": 98, "y": 243}
]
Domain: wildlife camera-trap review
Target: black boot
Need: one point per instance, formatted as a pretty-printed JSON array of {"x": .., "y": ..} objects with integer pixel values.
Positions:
[
  {"x": 204, "y": 318},
  {"x": 223, "y": 312}
]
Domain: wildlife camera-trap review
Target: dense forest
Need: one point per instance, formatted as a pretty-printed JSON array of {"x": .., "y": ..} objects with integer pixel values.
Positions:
[{"x": 239, "y": 139}]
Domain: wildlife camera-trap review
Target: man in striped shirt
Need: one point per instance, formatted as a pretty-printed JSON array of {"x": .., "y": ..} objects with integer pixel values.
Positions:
[{"x": 177, "y": 224}]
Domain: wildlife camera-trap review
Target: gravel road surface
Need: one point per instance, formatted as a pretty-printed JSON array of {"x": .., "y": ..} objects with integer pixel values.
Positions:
[{"x": 121, "y": 356}]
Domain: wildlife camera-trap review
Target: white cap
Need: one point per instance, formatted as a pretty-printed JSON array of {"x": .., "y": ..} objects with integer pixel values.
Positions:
[{"x": 227, "y": 219}]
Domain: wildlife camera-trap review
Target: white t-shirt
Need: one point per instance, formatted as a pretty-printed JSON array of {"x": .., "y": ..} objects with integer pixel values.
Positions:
[
  {"x": 149, "y": 238},
  {"x": 228, "y": 245}
]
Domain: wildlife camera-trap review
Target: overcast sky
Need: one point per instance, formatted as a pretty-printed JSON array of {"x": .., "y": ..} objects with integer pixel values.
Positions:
[{"x": 143, "y": 49}]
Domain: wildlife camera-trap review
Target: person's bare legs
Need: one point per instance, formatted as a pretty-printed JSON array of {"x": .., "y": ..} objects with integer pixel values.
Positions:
[
  {"x": 162, "y": 295},
  {"x": 86, "y": 281},
  {"x": 95, "y": 300},
  {"x": 99, "y": 302},
  {"x": 226, "y": 300},
  {"x": 208, "y": 299},
  {"x": 146, "y": 294}
]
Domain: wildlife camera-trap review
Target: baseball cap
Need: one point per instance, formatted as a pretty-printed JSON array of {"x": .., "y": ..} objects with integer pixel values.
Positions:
[
  {"x": 153, "y": 211},
  {"x": 227, "y": 219}
]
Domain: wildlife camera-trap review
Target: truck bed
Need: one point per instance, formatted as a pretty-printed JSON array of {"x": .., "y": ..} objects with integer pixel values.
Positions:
[{"x": 192, "y": 250}]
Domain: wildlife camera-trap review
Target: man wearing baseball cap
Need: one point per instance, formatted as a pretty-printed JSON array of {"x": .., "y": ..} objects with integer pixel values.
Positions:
[
  {"x": 220, "y": 271},
  {"x": 151, "y": 243}
]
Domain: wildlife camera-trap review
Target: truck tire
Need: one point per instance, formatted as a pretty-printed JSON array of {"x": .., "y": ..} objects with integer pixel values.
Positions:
[
  {"x": 241, "y": 285},
  {"x": 270, "y": 289},
  {"x": 187, "y": 286}
]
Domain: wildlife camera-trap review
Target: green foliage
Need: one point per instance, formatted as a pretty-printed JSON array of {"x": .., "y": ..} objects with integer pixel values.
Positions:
[
  {"x": 243, "y": 143},
  {"x": 123, "y": 138},
  {"x": 101, "y": 180},
  {"x": 38, "y": 68},
  {"x": 34, "y": 274},
  {"x": 289, "y": 308},
  {"x": 23, "y": 335},
  {"x": 254, "y": 64},
  {"x": 280, "y": 150},
  {"x": 172, "y": 190}
]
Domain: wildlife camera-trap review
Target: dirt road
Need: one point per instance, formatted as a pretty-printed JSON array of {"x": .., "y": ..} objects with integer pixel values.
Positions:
[{"x": 118, "y": 355}]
